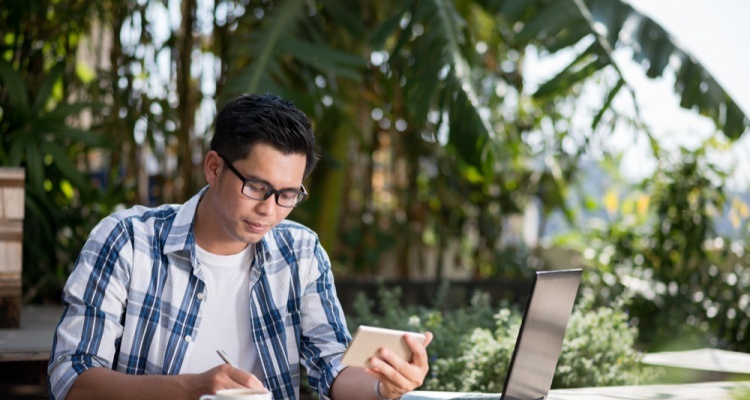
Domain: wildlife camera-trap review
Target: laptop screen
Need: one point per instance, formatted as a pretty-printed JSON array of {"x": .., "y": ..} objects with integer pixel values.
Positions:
[{"x": 540, "y": 338}]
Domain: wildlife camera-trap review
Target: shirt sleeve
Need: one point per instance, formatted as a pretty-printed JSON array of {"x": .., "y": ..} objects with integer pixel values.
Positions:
[
  {"x": 94, "y": 298},
  {"x": 325, "y": 335}
]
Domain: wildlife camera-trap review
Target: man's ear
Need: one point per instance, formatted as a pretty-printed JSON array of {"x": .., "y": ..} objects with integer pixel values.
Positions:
[{"x": 212, "y": 165}]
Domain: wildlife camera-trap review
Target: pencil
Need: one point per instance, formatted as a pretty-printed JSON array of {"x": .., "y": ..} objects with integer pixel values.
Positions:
[{"x": 225, "y": 357}]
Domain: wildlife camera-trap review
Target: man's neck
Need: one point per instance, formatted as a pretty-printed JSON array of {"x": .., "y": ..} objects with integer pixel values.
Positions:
[{"x": 208, "y": 235}]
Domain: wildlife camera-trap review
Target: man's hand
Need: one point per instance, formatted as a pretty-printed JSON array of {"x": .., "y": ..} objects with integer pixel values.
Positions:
[
  {"x": 221, "y": 377},
  {"x": 103, "y": 383},
  {"x": 396, "y": 375}
]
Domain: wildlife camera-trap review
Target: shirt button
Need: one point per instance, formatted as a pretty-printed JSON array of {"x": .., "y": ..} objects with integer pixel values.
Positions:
[
  {"x": 201, "y": 296},
  {"x": 188, "y": 339}
]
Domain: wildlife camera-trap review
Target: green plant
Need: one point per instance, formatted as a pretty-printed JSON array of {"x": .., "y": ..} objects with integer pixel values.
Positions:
[
  {"x": 473, "y": 346},
  {"x": 741, "y": 393},
  {"x": 62, "y": 203},
  {"x": 599, "y": 349},
  {"x": 653, "y": 255}
]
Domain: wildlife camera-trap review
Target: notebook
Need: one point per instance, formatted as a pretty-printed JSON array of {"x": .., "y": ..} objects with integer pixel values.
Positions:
[{"x": 538, "y": 344}]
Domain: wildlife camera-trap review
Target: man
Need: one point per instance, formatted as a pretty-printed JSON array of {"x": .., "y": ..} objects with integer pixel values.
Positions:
[{"x": 157, "y": 291}]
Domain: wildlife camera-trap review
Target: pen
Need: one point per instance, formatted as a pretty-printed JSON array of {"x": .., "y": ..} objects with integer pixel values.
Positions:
[{"x": 225, "y": 357}]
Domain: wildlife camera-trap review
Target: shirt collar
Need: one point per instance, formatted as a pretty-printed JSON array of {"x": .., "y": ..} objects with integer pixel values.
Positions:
[{"x": 181, "y": 236}]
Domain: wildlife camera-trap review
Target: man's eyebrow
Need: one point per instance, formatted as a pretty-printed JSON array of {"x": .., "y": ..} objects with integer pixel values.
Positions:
[{"x": 267, "y": 183}]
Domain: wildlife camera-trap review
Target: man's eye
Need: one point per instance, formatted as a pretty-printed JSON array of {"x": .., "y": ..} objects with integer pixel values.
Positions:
[
  {"x": 288, "y": 195},
  {"x": 257, "y": 188}
]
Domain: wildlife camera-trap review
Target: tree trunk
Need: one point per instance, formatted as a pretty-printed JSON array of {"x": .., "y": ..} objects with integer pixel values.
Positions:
[{"x": 186, "y": 185}]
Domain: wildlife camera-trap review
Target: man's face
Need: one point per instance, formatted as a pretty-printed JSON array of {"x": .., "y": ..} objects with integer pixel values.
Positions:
[{"x": 238, "y": 219}]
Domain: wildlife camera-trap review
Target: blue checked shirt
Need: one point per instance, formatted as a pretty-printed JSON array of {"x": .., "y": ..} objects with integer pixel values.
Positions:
[{"x": 133, "y": 303}]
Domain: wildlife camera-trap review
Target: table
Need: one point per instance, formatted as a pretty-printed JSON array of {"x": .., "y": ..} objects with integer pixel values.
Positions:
[
  {"x": 701, "y": 365},
  {"x": 690, "y": 391},
  {"x": 32, "y": 341},
  {"x": 24, "y": 353},
  {"x": 715, "y": 360}
]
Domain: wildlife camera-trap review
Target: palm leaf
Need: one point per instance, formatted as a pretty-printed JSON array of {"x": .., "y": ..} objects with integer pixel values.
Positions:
[
  {"x": 264, "y": 46},
  {"x": 388, "y": 27},
  {"x": 63, "y": 111},
  {"x": 12, "y": 83},
  {"x": 607, "y": 103},
  {"x": 579, "y": 70},
  {"x": 16, "y": 153},
  {"x": 290, "y": 41},
  {"x": 65, "y": 133},
  {"x": 513, "y": 10},
  {"x": 606, "y": 20},
  {"x": 438, "y": 78},
  {"x": 552, "y": 18},
  {"x": 47, "y": 85},
  {"x": 35, "y": 166},
  {"x": 36, "y": 202},
  {"x": 324, "y": 58},
  {"x": 66, "y": 167},
  {"x": 703, "y": 92},
  {"x": 346, "y": 13}
]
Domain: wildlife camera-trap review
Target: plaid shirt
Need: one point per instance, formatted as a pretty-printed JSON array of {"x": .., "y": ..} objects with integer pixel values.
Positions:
[{"x": 133, "y": 303}]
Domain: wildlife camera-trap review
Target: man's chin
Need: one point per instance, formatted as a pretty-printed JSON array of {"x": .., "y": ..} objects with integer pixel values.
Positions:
[{"x": 254, "y": 237}]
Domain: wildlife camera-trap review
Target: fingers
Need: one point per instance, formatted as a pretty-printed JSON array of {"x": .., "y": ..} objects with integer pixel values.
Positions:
[
  {"x": 244, "y": 379},
  {"x": 228, "y": 377},
  {"x": 387, "y": 358},
  {"x": 392, "y": 384},
  {"x": 419, "y": 350},
  {"x": 398, "y": 376},
  {"x": 395, "y": 382}
]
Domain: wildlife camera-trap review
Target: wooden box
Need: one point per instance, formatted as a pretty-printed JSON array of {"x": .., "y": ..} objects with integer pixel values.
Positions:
[{"x": 11, "y": 245}]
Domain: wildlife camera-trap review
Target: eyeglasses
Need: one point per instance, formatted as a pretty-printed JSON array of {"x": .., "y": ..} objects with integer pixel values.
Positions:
[{"x": 259, "y": 190}]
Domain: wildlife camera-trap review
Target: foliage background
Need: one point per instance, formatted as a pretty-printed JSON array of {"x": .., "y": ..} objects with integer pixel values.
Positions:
[
  {"x": 431, "y": 140},
  {"x": 472, "y": 346}
]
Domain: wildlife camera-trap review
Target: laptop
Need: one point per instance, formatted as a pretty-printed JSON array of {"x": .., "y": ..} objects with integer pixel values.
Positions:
[{"x": 539, "y": 341}]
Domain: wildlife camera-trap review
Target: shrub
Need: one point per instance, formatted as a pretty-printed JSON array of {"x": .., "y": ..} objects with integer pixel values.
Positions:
[
  {"x": 599, "y": 350},
  {"x": 685, "y": 285},
  {"x": 742, "y": 393},
  {"x": 473, "y": 345}
]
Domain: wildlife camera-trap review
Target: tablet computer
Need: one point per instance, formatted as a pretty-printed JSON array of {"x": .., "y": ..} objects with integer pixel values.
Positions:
[{"x": 368, "y": 339}]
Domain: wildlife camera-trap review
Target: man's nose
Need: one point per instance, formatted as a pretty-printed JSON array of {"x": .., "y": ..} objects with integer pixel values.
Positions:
[{"x": 267, "y": 206}]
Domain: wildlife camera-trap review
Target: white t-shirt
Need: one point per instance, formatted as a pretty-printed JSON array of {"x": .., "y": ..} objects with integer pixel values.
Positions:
[{"x": 225, "y": 314}]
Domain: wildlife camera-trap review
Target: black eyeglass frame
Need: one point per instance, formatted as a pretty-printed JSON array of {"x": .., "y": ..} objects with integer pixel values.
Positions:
[{"x": 301, "y": 194}]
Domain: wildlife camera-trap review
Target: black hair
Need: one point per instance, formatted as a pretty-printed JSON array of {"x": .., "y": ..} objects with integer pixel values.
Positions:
[{"x": 251, "y": 119}]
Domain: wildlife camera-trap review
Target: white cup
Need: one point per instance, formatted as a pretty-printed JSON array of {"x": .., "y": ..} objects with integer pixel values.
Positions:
[{"x": 238, "y": 394}]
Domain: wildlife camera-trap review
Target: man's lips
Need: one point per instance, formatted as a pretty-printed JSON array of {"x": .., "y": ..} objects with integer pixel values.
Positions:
[{"x": 256, "y": 227}]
